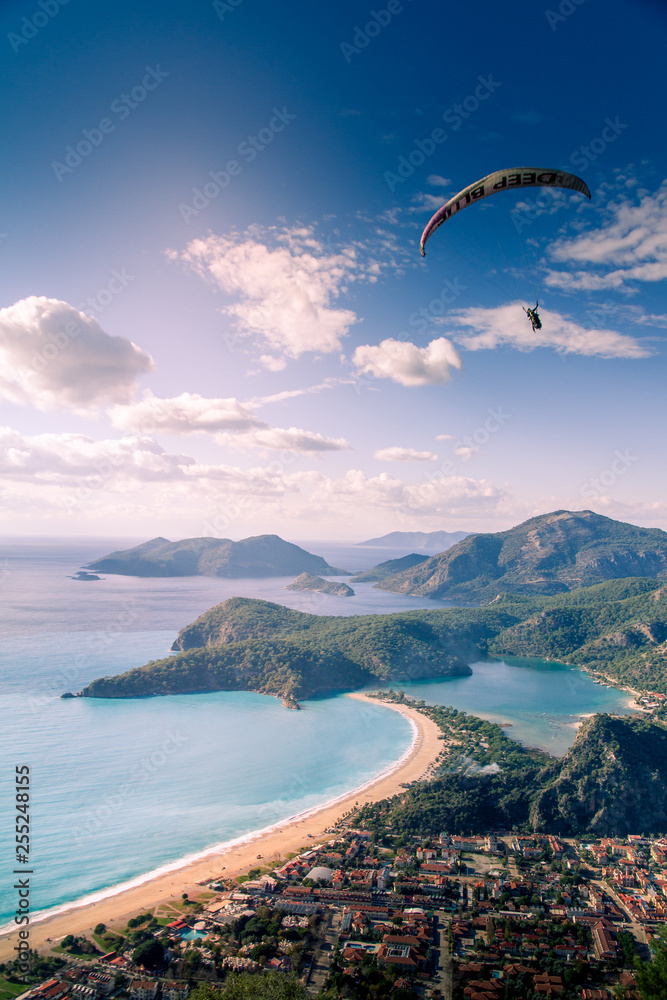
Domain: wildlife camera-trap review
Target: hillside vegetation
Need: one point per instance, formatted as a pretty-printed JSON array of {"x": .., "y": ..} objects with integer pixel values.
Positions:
[
  {"x": 550, "y": 554},
  {"x": 611, "y": 782},
  {"x": 616, "y": 629}
]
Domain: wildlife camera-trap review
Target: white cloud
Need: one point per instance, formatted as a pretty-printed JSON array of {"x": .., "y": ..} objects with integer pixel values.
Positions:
[
  {"x": 444, "y": 437},
  {"x": 633, "y": 243},
  {"x": 426, "y": 202},
  {"x": 232, "y": 423},
  {"x": 435, "y": 180},
  {"x": 279, "y": 439},
  {"x": 439, "y": 495},
  {"x": 508, "y": 326},
  {"x": 68, "y": 458},
  {"x": 407, "y": 364},
  {"x": 53, "y": 356},
  {"x": 67, "y": 473},
  {"x": 284, "y": 294},
  {"x": 184, "y": 414},
  {"x": 397, "y": 454},
  {"x": 279, "y": 397}
]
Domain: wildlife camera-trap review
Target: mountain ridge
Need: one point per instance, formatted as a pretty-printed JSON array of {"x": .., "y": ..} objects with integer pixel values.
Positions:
[{"x": 548, "y": 554}]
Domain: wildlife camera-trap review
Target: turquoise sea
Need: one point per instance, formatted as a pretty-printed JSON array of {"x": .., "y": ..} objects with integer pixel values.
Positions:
[{"x": 123, "y": 788}]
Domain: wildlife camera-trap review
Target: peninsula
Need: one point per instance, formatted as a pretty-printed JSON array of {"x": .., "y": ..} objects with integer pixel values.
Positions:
[{"x": 616, "y": 630}]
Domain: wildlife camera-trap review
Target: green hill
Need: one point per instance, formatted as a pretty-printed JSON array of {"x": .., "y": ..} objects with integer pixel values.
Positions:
[
  {"x": 550, "y": 554},
  {"x": 617, "y": 629},
  {"x": 259, "y": 556},
  {"x": 388, "y": 568},
  {"x": 611, "y": 782},
  {"x": 245, "y": 644},
  {"x": 316, "y": 585}
]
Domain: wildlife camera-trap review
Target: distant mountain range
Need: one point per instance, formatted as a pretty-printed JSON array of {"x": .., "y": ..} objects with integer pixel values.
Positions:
[
  {"x": 259, "y": 556},
  {"x": 550, "y": 554},
  {"x": 429, "y": 541}
]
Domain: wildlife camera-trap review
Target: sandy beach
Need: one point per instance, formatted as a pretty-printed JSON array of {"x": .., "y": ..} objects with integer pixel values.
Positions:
[{"x": 115, "y": 910}]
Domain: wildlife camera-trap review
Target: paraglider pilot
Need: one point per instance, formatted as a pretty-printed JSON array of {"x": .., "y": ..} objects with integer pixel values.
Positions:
[{"x": 534, "y": 318}]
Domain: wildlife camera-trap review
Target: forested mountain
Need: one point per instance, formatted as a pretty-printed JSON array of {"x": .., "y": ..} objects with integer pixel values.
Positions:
[
  {"x": 615, "y": 629},
  {"x": 550, "y": 554},
  {"x": 612, "y": 781},
  {"x": 388, "y": 568}
]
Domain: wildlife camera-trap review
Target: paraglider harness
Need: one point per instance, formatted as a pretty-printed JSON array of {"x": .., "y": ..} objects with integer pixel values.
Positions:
[{"x": 533, "y": 316}]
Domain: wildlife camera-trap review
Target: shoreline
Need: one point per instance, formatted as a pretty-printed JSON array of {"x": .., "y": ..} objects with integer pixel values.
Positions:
[{"x": 294, "y": 834}]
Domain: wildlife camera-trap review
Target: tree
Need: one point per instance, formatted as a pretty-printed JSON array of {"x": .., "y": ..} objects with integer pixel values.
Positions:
[
  {"x": 100, "y": 928},
  {"x": 150, "y": 954},
  {"x": 277, "y": 986},
  {"x": 652, "y": 976}
]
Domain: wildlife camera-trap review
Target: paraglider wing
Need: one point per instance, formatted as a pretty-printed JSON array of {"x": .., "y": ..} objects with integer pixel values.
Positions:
[{"x": 502, "y": 180}]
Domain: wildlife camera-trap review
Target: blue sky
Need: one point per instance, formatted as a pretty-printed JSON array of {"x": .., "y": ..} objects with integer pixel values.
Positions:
[{"x": 214, "y": 317}]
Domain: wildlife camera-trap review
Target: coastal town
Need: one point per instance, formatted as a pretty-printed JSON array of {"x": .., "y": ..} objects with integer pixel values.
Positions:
[
  {"x": 480, "y": 918},
  {"x": 377, "y": 905}
]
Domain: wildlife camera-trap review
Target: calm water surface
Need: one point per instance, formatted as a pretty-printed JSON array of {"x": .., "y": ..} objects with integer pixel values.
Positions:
[{"x": 120, "y": 788}]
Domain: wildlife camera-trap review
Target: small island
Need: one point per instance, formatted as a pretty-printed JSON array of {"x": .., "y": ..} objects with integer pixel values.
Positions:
[
  {"x": 305, "y": 581},
  {"x": 85, "y": 575}
]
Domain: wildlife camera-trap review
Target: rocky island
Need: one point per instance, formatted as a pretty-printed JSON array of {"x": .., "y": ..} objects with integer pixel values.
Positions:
[
  {"x": 306, "y": 581},
  {"x": 258, "y": 556}
]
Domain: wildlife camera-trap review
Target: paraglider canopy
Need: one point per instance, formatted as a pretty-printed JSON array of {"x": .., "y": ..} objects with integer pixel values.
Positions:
[{"x": 502, "y": 180}]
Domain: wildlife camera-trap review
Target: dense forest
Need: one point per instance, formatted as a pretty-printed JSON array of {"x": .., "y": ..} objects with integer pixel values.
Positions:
[
  {"x": 617, "y": 629},
  {"x": 611, "y": 782}
]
